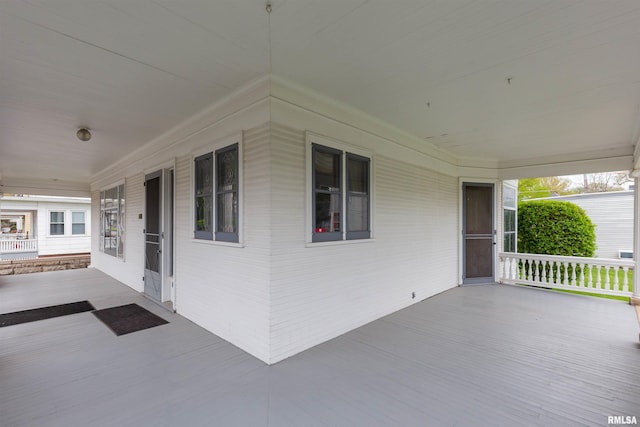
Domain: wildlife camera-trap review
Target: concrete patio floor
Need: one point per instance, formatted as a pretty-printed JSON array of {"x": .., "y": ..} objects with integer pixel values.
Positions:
[{"x": 472, "y": 356}]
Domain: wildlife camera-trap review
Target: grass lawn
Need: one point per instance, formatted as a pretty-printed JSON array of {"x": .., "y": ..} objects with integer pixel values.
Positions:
[{"x": 591, "y": 294}]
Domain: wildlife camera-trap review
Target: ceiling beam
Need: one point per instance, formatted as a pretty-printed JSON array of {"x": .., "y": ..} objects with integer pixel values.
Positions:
[{"x": 44, "y": 187}]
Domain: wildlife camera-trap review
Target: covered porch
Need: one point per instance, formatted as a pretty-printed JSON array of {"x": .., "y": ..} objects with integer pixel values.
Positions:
[
  {"x": 17, "y": 237},
  {"x": 479, "y": 355}
]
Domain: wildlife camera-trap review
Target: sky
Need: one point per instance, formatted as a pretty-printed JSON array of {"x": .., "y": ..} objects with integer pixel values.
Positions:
[{"x": 578, "y": 180}]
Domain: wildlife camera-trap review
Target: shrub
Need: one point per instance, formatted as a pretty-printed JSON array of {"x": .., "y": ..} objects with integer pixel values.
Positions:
[{"x": 552, "y": 227}]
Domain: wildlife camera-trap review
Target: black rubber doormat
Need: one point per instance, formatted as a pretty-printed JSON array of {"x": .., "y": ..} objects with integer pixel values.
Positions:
[
  {"x": 18, "y": 317},
  {"x": 129, "y": 318}
]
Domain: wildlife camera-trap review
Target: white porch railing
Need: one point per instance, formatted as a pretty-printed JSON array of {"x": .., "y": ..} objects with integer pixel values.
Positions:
[
  {"x": 596, "y": 275},
  {"x": 18, "y": 248}
]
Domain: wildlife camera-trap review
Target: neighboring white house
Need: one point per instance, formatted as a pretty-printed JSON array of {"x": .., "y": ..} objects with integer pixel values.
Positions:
[
  {"x": 35, "y": 226},
  {"x": 612, "y": 214}
]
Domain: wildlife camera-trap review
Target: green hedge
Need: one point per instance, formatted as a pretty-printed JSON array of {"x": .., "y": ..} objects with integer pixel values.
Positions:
[{"x": 552, "y": 227}]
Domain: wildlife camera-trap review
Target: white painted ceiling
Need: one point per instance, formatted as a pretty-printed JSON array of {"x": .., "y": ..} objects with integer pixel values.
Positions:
[{"x": 504, "y": 80}]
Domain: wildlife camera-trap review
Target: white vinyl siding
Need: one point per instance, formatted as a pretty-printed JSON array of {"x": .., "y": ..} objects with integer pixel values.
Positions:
[
  {"x": 275, "y": 292},
  {"x": 319, "y": 292},
  {"x": 221, "y": 287}
]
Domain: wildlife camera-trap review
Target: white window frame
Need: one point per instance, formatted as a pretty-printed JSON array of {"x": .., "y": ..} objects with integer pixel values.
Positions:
[
  {"x": 64, "y": 223},
  {"x": 84, "y": 213},
  {"x": 123, "y": 236},
  {"x": 505, "y": 232},
  {"x": 345, "y": 148},
  {"x": 212, "y": 148}
]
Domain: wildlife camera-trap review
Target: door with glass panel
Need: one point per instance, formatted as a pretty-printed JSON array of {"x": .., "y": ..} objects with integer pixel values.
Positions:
[
  {"x": 478, "y": 233},
  {"x": 153, "y": 236}
]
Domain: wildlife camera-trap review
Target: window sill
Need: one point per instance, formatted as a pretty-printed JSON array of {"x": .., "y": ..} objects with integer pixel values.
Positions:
[
  {"x": 217, "y": 243},
  {"x": 339, "y": 243},
  {"x": 119, "y": 258}
]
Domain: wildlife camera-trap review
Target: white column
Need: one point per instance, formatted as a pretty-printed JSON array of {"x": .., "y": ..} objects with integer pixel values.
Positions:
[{"x": 635, "y": 299}]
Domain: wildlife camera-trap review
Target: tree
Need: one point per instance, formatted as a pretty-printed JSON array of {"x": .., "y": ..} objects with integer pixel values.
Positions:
[
  {"x": 558, "y": 186},
  {"x": 601, "y": 182},
  {"x": 537, "y": 188},
  {"x": 553, "y": 227},
  {"x": 532, "y": 188}
]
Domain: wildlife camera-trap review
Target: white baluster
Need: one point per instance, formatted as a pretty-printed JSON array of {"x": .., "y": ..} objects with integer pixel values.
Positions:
[
  {"x": 625, "y": 279},
  {"x": 597, "y": 277},
  {"x": 540, "y": 269},
  {"x": 507, "y": 268},
  {"x": 588, "y": 275}
]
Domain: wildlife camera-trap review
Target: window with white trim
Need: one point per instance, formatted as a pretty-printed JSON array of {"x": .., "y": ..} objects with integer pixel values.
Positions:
[
  {"x": 56, "y": 223},
  {"x": 112, "y": 221},
  {"x": 341, "y": 189},
  {"x": 78, "y": 222},
  {"x": 510, "y": 216},
  {"x": 216, "y": 195}
]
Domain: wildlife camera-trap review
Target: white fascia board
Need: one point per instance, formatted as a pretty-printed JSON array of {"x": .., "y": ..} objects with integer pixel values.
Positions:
[
  {"x": 566, "y": 166},
  {"x": 44, "y": 187},
  {"x": 329, "y": 108}
]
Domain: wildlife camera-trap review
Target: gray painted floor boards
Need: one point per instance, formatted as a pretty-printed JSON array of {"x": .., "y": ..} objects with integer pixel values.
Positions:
[{"x": 473, "y": 356}]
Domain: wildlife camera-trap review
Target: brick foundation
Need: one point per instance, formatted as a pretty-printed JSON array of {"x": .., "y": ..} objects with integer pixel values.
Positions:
[{"x": 44, "y": 264}]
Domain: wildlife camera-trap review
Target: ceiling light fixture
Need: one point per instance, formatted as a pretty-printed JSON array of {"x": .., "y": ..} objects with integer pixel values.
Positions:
[{"x": 83, "y": 134}]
